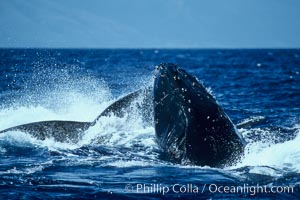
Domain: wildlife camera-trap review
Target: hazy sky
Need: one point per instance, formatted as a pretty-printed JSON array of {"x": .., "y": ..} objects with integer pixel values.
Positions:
[{"x": 150, "y": 23}]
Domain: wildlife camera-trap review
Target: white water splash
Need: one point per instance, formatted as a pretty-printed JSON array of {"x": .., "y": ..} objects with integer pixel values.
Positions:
[
  {"x": 284, "y": 156},
  {"x": 70, "y": 104},
  {"x": 128, "y": 131}
]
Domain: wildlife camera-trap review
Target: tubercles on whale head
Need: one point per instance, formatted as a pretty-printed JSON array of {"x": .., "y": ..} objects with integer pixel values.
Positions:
[{"x": 200, "y": 131}]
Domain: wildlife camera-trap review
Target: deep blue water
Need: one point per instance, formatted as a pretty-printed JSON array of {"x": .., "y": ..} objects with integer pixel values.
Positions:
[{"x": 119, "y": 155}]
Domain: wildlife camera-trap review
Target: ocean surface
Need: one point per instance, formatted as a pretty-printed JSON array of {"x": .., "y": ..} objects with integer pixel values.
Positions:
[{"x": 119, "y": 158}]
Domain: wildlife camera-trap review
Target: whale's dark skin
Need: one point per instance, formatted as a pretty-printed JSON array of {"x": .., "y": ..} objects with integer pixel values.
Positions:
[{"x": 190, "y": 126}]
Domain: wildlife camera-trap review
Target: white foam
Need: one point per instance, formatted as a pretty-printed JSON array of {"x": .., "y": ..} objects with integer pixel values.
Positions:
[
  {"x": 72, "y": 101},
  {"x": 131, "y": 163},
  {"x": 19, "y": 138},
  {"x": 285, "y": 156},
  {"x": 15, "y": 116},
  {"x": 27, "y": 170},
  {"x": 71, "y": 105},
  {"x": 116, "y": 131}
]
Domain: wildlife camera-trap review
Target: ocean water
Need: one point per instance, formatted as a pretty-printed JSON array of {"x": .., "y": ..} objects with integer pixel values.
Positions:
[{"x": 118, "y": 158}]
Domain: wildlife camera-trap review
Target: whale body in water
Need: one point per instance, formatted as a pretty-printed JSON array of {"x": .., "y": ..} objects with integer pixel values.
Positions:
[{"x": 190, "y": 126}]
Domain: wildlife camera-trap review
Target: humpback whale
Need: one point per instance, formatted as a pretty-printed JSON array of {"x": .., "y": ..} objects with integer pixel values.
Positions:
[{"x": 190, "y": 126}]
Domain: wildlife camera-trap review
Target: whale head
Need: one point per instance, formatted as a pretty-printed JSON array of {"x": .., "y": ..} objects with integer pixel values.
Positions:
[{"x": 190, "y": 126}]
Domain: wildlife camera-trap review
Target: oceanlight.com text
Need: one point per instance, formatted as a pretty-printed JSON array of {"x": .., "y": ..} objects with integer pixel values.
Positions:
[{"x": 190, "y": 188}]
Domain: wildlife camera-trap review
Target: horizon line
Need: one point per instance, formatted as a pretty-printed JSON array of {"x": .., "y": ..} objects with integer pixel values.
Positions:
[{"x": 157, "y": 48}]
